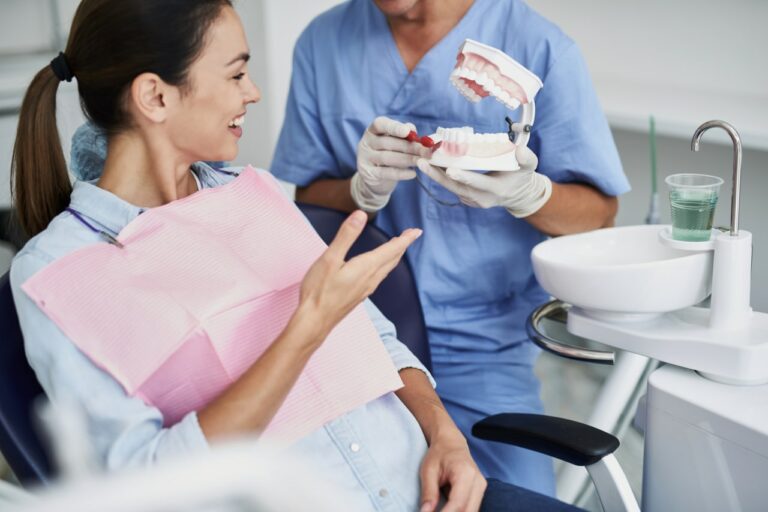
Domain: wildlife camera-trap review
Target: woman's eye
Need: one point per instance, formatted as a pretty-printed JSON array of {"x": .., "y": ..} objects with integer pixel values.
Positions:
[{"x": 239, "y": 76}]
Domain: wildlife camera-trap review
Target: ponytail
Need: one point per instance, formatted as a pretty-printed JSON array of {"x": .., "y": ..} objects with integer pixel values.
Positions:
[{"x": 39, "y": 178}]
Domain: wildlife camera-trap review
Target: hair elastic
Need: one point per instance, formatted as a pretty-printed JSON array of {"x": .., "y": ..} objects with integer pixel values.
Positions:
[{"x": 61, "y": 68}]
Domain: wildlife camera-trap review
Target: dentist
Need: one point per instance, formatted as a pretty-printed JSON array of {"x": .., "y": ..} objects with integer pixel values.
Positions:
[{"x": 367, "y": 72}]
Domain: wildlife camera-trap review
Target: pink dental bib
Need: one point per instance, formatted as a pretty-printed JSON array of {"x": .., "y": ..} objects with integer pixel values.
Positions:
[{"x": 199, "y": 291}]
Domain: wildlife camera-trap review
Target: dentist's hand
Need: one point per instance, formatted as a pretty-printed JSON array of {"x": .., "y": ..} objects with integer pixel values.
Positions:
[
  {"x": 332, "y": 286},
  {"x": 521, "y": 192},
  {"x": 384, "y": 158}
]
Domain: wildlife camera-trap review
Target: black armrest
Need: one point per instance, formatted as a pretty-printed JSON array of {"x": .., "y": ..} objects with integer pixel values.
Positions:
[{"x": 564, "y": 439}]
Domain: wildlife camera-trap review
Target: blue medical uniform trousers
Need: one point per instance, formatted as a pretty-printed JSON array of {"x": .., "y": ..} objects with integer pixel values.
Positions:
[{"x": 473, "y": 391}]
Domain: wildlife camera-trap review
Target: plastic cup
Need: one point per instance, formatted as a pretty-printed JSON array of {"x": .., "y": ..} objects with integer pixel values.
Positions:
[{"x": 693, "y": 198}]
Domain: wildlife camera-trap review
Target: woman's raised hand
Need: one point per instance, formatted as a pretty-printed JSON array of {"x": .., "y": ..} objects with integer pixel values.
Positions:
[{"x": 333, "y": 287}]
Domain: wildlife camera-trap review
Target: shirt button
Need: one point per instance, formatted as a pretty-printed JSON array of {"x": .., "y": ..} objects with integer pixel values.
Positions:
[
  {"x": 383, "y": 493},
  {"x": 354, "y": 447}
]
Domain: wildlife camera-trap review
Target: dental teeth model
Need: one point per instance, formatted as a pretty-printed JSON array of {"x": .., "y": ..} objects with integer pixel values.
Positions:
[
  {"x": 465, "y": 149},
  {"x": 482, "y": 71}
]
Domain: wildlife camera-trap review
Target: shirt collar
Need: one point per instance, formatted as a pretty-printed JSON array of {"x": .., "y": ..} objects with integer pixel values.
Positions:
[
  {"x": 102, "y": 206},
  {"x": 114, "y": 213}
]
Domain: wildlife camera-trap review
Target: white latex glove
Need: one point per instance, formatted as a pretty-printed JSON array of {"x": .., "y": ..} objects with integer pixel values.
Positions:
[
  {"x": 384, "y": 158},
  {"x": 521, "y": 192}
]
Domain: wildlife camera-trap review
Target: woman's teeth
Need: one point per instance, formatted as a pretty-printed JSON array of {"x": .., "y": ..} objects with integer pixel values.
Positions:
[{"x": 238, "y": 121}]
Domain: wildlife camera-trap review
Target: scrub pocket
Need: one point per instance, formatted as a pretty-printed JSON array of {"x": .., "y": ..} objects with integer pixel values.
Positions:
[{"x": 438, "y": 210}]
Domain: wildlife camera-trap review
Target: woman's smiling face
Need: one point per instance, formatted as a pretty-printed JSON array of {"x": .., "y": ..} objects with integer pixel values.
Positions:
[{"x": 205, "y": 125}]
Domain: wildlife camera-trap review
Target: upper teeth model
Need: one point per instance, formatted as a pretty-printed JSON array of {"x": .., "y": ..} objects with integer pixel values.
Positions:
[{"x": 483, "y": 71}]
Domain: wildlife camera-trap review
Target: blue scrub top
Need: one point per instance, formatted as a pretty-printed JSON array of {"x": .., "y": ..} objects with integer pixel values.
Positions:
[{"x": 472, "y": 266}]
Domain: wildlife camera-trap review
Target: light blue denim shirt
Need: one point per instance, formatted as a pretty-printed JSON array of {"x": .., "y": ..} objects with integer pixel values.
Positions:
[{"x": 372, "y": 454}]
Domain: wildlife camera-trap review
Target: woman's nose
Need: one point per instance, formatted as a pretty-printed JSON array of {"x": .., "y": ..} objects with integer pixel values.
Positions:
[{"x": 252, "y": 93}]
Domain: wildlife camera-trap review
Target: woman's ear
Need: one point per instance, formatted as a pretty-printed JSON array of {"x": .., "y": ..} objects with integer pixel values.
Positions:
[{"x": 151, "y": 97}]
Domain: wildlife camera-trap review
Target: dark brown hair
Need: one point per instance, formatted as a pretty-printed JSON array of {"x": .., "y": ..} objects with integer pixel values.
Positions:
[{"x": 110, "y": 43}]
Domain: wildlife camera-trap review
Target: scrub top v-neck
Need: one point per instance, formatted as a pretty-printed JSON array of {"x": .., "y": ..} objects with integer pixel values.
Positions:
[{"x": 413, "y": 83}]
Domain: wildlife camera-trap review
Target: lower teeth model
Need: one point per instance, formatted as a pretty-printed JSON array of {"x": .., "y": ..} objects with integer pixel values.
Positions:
[
  {"x": 480, "y": 72},
  {"x": 465, "y": 149}
]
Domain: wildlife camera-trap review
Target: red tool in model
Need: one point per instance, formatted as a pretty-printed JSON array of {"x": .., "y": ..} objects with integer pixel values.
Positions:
[{"x": 425, "y": 140}]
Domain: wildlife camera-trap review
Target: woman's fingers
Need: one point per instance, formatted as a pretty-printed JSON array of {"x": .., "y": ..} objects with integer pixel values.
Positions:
[
  {"x": 478, "y": 493},
  {"x": 332, "y": 287},
  {"x": 430, "y": 487},
  {"x": 395, "y": 247},
  {"x": 386, "y": 256},
  {"x": 348, "y": 232},
  {"x": 369, "y": 269},
  {"x": 467, "y": 489},
  {"x": 459, "y": 495}
]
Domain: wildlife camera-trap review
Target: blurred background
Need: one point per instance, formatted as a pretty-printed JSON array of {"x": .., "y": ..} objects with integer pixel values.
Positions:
[{"x": 683, "y": 62}]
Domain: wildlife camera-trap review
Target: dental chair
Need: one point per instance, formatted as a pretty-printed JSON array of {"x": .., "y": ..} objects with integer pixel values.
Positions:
[
  {"x": 397, "y": 297},
  {"x": 19, "y": 442}
]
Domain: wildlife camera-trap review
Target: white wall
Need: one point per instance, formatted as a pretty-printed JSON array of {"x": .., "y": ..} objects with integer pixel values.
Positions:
[
  {"x": 685, "y": 61},
  {"x": 687, "y": 44},
  {"x": 16, "y": 26},
  {"x": 30, "y": 35}
]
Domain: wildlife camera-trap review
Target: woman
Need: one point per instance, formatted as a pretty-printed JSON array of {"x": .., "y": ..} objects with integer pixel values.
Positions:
[{"x": 167, "y": 99}]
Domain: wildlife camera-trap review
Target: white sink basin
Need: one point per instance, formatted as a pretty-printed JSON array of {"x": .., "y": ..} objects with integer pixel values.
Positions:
[{"x": 624, "y": 270}]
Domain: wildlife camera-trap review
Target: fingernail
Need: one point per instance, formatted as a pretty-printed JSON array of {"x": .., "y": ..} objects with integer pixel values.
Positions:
[
  {"x": 358, "y": 218},
  {"x": 418, "y": 232},
  {"x": 426, "y": 507}
]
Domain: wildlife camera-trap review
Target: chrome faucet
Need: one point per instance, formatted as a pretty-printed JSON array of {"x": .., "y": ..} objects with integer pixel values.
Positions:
[{"x": 736, "y": 189}]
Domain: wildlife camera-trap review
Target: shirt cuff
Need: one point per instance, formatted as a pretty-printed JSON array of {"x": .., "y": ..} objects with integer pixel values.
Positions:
[{"x": 401, "y": 356}]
